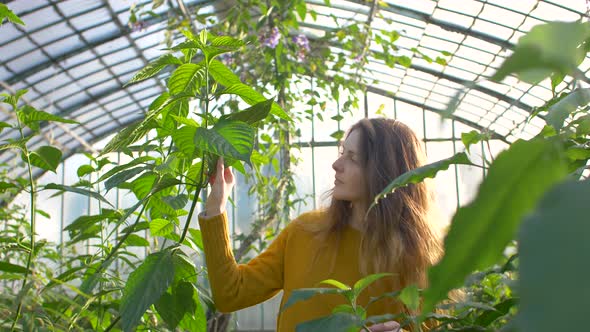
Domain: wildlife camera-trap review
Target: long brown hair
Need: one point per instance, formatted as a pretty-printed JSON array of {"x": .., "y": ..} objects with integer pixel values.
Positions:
[{"x": 399, "y": 235}]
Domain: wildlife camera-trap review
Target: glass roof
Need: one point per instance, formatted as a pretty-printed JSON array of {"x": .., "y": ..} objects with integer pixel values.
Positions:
[{"x": 75, "y": 56}]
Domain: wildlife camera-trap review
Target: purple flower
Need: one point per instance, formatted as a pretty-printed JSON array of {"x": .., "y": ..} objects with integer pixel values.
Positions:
[
  {"x": 226, "y": 59},
  {"x": 358, "y": 58},
  {"x": 139, "y": 26},
  {"x": 273, "y": 40},
  {"x": 301, "y": 41}
]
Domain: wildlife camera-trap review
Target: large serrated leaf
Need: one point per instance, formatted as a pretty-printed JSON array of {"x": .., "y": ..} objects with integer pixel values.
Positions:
[
  {"x": 234, "y": 139},
  {"x": 481, "y": 230},
  {"x": 119, "y": 168},
  {"x": 252, "y": 97},
  {"x": 191, "y": 44},
  {"x": 176, "y": 202},
  {"x": 133, "y": 133},
  {"x": 46, "y": 157},
  {"x": 16, "y": 144},
  {"x": 196, "y": 320},
  {"x": 252, "y": 114},
  {"x": 122, "y": 176},
  {"x": 222, "y": 74},
  {"x": 145, "y": 286},
  {"x": 86, "y": 221},
  {"x": 556, "y": 233},
  {"x": 76, "y": 190},
  {"x": 187, "y": 78},
  {"x": 161, "y": 227},
  {"x": 419, "y": 174},
  {"x": 184, "y": 139},
  {"x": 33, "y": 115},
  {"x": 154, "y": 67},
  {"x": 126, "y": 137}
]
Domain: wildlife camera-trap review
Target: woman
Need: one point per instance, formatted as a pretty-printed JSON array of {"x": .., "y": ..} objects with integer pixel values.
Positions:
[{"x": 343, "y": 242}]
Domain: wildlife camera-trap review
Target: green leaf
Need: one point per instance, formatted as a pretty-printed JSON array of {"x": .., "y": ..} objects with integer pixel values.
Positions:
[
  {"x": 556, "y": 232},
  {"x": 410, "y": 296},
  {"x": 6, "y": 185},
  {"x": 346, "y": 308},
  {"x": 33, "y": 115},
  {"x": 86, "y": 221},
  {"x": 84, "y": 170},
  {"x": 187, "y": 78},
  {"x": 12, "y": 268},
  {"x": 134, "y": 240},
  {"x": 190, "y": 44},
  {"x": 252, "y": 114},
  {"x": 143, "y": 185},
  {"x": 336, "y": 284},
  {"x": 184, "y": 268},
  {"x": 196, "y": 320},
  {"x": 222, "y": 74},
  {"x": 234, "y": 139},
  {"x": 16, "y": 144},
  {"x": 252, "y": 97},
  {"x": 307, "y": 293},
  {"x": 301, "y": 9},
  {"x": 80, "y": 191},
  {"x": 547, "y": 48},
  {"x": 559, "y": 111},
  {"x": 4, "y": 125},
  {"x": 173, "y": 307},
  {"x": 8, "y": 14},
  {"x": 126, "y": 137},
  {"x": 184, "y": 139},
  {"x": 46, "y": 157},
  {"x": 196, "y": 237},
  {"x": 122, "y": 176},
  {"x": 119, "y": 168},
  {"x": 176, "y": 202},
  {"x": 220, "y": 45},
  {"x": 161, "y": 227},
  {"x": 340, "y": 322},
  {"x": 473, "y": 137},
  {"x": 154, "y": 67},
  {"x": 419, "y": 174},
  {"x": 481, "y": 230},
  {"x": 499, "y": 310},
  {"x": 133, "y": 133},
  {"x": 145, "y": 286},
  {"x": 337, "y": 135},
  {"x": 360, "y": 285}
]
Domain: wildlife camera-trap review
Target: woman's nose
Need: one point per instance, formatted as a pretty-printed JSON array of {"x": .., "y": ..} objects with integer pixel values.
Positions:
[{"x": 336, "y": 165}]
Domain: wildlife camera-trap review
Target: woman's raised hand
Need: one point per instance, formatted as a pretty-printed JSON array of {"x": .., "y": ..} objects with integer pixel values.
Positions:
[{"x": 222, "y": 183}]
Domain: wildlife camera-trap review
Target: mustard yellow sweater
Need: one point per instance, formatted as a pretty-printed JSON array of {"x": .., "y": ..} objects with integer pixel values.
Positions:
[{"x": 295, "y": 259}]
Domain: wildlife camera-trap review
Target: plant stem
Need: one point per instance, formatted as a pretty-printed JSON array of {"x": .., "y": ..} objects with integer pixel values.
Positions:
[
  {"x": 33, "y": 214},
  {"x": 201, "y": 181},
  {"x": 190, "y": 213},
  {"x": 110, "y": 327}
]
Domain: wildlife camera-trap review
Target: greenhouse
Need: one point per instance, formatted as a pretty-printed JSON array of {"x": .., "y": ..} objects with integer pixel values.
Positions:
[{"x": 294, "y": 165}]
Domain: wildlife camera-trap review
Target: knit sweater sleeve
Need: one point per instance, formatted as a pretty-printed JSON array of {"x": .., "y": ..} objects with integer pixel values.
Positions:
[{"x": 237, "y": 286}]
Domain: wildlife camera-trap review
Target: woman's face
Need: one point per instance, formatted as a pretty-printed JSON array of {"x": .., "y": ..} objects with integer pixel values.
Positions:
[{"x": 349, "y": 184}]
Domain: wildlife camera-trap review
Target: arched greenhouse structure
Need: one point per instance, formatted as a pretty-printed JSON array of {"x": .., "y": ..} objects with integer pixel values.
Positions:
[{"x": 113, "y": 115}]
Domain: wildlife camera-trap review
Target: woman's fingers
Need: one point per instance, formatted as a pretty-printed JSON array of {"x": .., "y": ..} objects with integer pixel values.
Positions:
[
  {"x": 391, "y": 326},
  {"x": 219, "y": 174}
]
